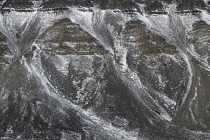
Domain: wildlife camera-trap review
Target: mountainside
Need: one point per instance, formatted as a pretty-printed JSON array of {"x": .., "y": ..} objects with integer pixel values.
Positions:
[{"x": 105, "y": 69}]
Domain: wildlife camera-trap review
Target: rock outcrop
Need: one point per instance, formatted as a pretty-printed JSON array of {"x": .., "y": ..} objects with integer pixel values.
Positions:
[{"x": 104, "y": 69}]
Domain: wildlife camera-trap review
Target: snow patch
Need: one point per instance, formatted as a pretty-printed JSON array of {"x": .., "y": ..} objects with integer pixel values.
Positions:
[
  {"x": 205, "y": 16},
  {"x": 62, "y": 63}
]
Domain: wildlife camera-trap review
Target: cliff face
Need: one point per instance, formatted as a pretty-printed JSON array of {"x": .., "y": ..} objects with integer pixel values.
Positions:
[
  {"x": 104, "y": 69},
  {"x": 151, "y": 5}
]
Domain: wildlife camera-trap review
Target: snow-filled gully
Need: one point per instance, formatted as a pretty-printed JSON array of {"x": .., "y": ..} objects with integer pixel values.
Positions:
[
  {"x": 173, "y": 31},
  {"x": 34, "y": 69},
  {"x": 129, "y": 77}
]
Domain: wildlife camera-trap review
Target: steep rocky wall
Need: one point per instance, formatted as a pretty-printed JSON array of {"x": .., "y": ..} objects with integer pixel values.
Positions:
[
  {"x": 89, "y": 73},
  {"x": 150, "y": 5}
]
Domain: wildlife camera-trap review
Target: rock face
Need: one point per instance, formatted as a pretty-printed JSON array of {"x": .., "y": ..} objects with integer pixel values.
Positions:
[
  {"x": 17, "y": 4},
  {"x": 104, "y": 69}
]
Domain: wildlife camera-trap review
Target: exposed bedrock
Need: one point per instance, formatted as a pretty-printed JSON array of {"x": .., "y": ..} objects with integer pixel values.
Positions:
[{"x": 104, "y": 74}]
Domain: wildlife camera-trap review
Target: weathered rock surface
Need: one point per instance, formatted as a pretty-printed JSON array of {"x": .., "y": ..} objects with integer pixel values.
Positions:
[{"x": 104, "y": 70}]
